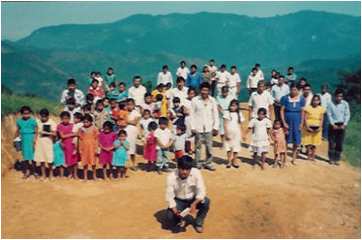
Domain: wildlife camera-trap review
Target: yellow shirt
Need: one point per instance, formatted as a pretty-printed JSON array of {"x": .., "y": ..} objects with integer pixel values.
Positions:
[
  {"x": 164, "y": 107},
  {"x": 314, "y": 115}
]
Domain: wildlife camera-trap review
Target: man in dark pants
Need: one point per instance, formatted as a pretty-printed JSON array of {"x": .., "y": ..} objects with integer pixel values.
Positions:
[
  {"x": 338, "y": 115},
  {"x": 185, "y": 189}
]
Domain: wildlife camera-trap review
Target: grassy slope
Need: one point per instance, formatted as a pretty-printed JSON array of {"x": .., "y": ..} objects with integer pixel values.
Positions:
[{"x": 352, "y": 148}]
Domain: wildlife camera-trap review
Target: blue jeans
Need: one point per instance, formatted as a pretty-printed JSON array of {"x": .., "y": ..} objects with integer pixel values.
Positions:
[
  {"x": 162, "y": 158},
  {"x": 203, "y": 208}
]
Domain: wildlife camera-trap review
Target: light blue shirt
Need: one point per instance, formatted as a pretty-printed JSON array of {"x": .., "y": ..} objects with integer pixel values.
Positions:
[
  {"x": 338, "y": 112},
  {"x": 278, "y": 92}
]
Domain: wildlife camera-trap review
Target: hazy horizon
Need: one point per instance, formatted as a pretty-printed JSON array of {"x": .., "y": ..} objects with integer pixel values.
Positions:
[{"x": 19, "y": 19}]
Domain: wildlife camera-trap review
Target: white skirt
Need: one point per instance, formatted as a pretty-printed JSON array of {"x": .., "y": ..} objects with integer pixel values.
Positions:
[
  {"x": 43, "y": 150},
  {"x": 132, "y": 133},
  {"x": 234, "y": 143}
]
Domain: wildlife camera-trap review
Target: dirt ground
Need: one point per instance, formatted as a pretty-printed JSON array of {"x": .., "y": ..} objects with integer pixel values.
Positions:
[{"x": 309, "y": 200}]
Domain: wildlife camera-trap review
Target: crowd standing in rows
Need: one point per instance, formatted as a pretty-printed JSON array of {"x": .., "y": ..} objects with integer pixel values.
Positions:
[{"x": 101, "y": 129}]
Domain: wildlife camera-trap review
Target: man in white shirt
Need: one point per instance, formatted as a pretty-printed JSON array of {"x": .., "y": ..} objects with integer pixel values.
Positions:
[
  {"x": 326, "y": 98},
  {"x": 222, "y": 78},
  {"x": 73, "y": 92},
  {"x": 260, "y": 99},
  {"x": 259, "y": 72},
  {"x": 278, "y": 91},
  {"x": 182, "y": 71},
  {"x": 252, "y": 82},
  {"x": 234, "y": 82},
  {"x": 186, "y": 194},
  {"x": 137, "y": 91},
  {"x": 164, "y": 76},
  {"x": 179, "y": 91},
  {"x": 212, "y": 70},
  {"x": 204, "y": 124},
  {"x": 307, "y": 94}
]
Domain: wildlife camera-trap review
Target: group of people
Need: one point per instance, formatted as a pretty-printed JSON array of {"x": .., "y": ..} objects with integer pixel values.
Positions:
[{"x": 101, "y": 129}]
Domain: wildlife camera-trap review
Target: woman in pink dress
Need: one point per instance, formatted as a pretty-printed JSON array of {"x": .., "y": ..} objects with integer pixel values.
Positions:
[
  {"x": 106, "y": 139},
  {"x": 65, "y": 131},
  {"x": 150, "y": 151}
]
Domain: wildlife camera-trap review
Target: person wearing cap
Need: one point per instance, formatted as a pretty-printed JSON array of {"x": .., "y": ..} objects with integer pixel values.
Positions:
[
  {"x": 194, "y": 78},
  {"x": 137, "y": 91},
  {"x": 183, "y": 70},
  {"x": 185, "y": 189},
  {"x": 72, "y": 92},
  {"x": 164, "y": 76},
  {"x": 222, "y": 78}
]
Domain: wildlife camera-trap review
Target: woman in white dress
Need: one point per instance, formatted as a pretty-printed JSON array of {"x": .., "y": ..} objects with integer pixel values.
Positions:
[{"x": 132, "y": 130}]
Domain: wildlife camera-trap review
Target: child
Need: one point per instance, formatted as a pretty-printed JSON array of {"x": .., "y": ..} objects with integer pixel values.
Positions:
[
  {"x": 44, "y": 143},
  {"x": 59, "y": 161},
  {"x": 164, "y": 141},
  {"x": 90, "y": 101},
  {"x": 223, "y": 103},
  {"x": 106, "y": 105},
  {"x": 180, "y": 141},
  {"x": 110, "y": 76},
  {"x": 88, "y": 109},
  {"x": 158, "y": 105},
  {"x": 148, "y": 104},
  {"x": 120, "y": 155},
  {"x": 88, "y": 142},
  {"x": 132, "y": 130},
  {"x": 120, "y": 115},
  {"x": 71, "y": 108},
  {"x": 177, "y": 110},
  {"x": 261, "y": 130},
  {"x": 78, "y": 124},
  {"x": 313, "y": 124},
  {"x": 106, "y": 140},
  {"x": 280, "y": 145},
  {"x": 150, "y": 151},
  {"x": 122, "y": 92},
  {"x": 145, "y": 121},
  {"x": 27, "y": 130},
  {"x": 232, "y": 120},
  {"x": 112, "y": 92},
  {"x": 65, "y": 131},
  {"x": 96, "y": 90},
  {"x": 100, "y": 115}
]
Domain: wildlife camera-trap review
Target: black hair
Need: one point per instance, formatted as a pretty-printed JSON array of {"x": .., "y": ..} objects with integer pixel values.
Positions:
[
  {"x": 281, "y": 76},
  {"x": 44, "y": 112},
  {"x": 122, "y": 105},
  {"x": 88, "y": 117},
  {"x": 159, "y": 97},
  {"x": 182, "y": 127},
  {"x": 306, "y": 85},
  {"x": 277, "y": 121},
  {"x": 257, "y": 65},
  {"x": 112, "y": 84},
  {"x": 223, "y": 66},
  {"x": 78, "y": 115},
  {"x": 71, "y": 81},
  {"x": 130, "y": 100},
  {"x": 185, "y": 162},
  {"x": 205, "y": 85},
  {"x": 163, "y": 120},
  {"x": 183, "y": 61},
  {"x": 225, "y": 88},
  {"x": 290, "y": 68},
  {"x": 254, "y": 69},
  {"x": 261, "y": 82},
  {"x": 316, "y": 96},
  {"x": 92, "y": 73},
  {"x": 146, "y": 111},
  {"x": 193, "y": 66},
  {"x": 262, "y": 110},
  {"x": 338, "y": 91},
  {"x": 108, "y": 124},
  {"x": 180, "y": 79},
  {"x": 95, "y": 80},
  {"x": 211, "y": 60},
  {"x": 137, "y": 77},
  {"x": 70, "y": 101},
  {"x": 293, "y": 85},
  {"x": 64, "y": 114},
  {"x": 110, "y": 68},
  {"x": 164, "y": 67},
  {"x": 89, "y": 97},
  {"x": 25, "y": 108},
  {"x": 87, "y": 107},
  {"x": 237, "y": 109},
  {"x": 121, "y": 83},
  {"x": 233, "y": 67},
  {"x": 191, "y": 89},
  {"x": 122, "y": 132},
  {"x": 148, "y": 94},
  {"x": 152, "y": 126},
  {"x": 176, "y": 100},
  {"x": 99, "y": 101}
]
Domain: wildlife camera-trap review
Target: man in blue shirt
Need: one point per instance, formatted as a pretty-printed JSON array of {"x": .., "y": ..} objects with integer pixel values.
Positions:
[
  {"x": 338, "y": 116},
  {"x": 194, "y": 78}
]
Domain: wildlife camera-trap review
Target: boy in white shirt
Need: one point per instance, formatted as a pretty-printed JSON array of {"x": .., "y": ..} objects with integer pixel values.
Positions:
[
  {"x": 164, "y": 76},
  {"x": 164, "y": 142},
  {"x": 212, "y": 69},
  {"x": 222, "y": 78},
  {"x": 252, "y": 82},
  {"x": 260, "y": 99},
  {"x": 234, "y": 82},
  {"x": 259, "y": 72},
  {"x": 183, "y": 70}
]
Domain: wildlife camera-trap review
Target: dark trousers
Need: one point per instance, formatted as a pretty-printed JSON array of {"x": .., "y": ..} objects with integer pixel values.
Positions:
[
  {"x": 213, "y": 88},
  {"x": 335, "y": 143},
  {"x": 325, "y": 126},
  {"x": 277, "y": 108},
  {"x": 202, "y": 207}
]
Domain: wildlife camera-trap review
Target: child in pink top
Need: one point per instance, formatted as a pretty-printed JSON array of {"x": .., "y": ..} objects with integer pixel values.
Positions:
[
  {"x": 150, "y": 151},
  {"x": 280, "y": 145},
  {"x": 106, "y": 140},
  {"x": 65, "y": 131}
]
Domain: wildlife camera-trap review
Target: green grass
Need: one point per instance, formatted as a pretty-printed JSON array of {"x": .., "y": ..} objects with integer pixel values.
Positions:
[
  {"x": 352, "y": 146},
  {"x": 12, "y": 103}
]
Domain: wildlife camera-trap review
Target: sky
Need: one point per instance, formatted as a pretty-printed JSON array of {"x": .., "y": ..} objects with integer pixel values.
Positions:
[{"x": 19, "y": 19}]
